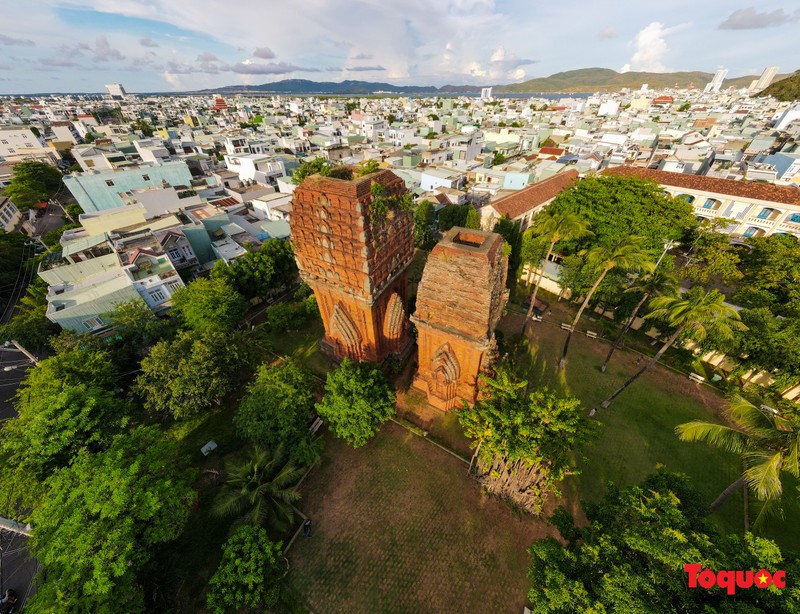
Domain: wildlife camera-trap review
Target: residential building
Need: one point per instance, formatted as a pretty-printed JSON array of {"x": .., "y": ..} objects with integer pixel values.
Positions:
[
  {"x": 10, "y": 216},
  {"x": 524, "y": 204},
  {"x": 92, "y": 192}
]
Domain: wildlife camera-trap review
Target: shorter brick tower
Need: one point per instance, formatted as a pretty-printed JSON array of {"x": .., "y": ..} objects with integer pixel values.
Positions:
[
  {"x": 459, "y": 301},
  {"x": 356, "y": 262}
]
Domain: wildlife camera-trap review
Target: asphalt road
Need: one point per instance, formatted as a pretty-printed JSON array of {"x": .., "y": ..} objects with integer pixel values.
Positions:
[
  {"x": 9, "y": 380},
  {"x": 53, "y": 218}
]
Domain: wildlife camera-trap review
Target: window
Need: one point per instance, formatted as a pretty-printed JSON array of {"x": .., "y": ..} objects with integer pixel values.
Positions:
[
  {"x": 157, "y": 296},
  {"x": 174, "y": 286},
  {"x": 709, "y": 204},
  {"x": 795, "y": 218},
  {"x": 11, "y": 150},
  {"x": 109, "y": 183},
  {"x": 92, "y": 323},
  {"x": 174, "y": 253},
  {"x": 765, "y": 213},
  {"x": 187, "y": 251},
  {"x": 4, "y": 142},
  {"x": 146, "y": 177}
]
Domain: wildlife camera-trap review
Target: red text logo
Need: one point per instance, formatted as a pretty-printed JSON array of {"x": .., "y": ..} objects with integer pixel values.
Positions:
[{"x": 731, "y": 580}]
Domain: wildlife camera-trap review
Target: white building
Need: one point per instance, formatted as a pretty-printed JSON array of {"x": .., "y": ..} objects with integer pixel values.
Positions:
[
  {"x": 716, "y": 82},
  {"x": 115, "y": 90},
  {"x": 766, "y": 77},
  {"x": 9, "y": 214}
]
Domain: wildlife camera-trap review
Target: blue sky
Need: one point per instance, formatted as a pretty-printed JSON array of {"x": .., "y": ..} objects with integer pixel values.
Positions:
[{"x": 165, "y": 45}]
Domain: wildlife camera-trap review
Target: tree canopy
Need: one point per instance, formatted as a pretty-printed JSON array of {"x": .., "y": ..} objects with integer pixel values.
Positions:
[
  {"x": 617, "y": 207},
  {"x": 102, "y": 516},
  {"x": 260, "y": 272},
  {"x": 249, "y": 574},
  {"x": 191, "y": 373},
  {"x": 317, "y": 166},
  {"x": 278, "y": 408},
  {"x": 33, "y": 182},
  {"x": 357, "y": 400},
  {"x": 209, "y": 305},
  {"x": 523, "y": 441},
  {"x": 771, "y": 275},
  {"x": 631, "y": 557}
]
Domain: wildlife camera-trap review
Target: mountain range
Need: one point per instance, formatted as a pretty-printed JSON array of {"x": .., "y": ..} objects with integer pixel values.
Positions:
[{"x": 571, "y": 81}]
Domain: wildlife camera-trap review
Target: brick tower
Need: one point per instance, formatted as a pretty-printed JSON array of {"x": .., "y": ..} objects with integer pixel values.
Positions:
[
  {"x": 459, "y": 301},
  {"x": 356, "y": 262}
]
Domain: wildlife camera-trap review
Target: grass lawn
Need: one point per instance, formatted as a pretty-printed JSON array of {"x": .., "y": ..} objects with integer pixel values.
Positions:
[
  {"x": 399, "y": 527},
  {"x": 303, "y": 345},
  {"x": 637, "y": 432}
]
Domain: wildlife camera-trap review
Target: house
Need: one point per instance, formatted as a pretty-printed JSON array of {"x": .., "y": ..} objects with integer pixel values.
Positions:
[
  {"x": 92, "y": 192},
  {"x": 757, "y": 209},
  {"x": 524, "y": 204},
  {"x": 10, "y": 216},
  {"x": 432, "y": 178}
]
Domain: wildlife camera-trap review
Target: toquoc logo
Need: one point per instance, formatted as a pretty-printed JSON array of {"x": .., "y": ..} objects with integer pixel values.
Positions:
[{"x": 731, "y": 580}]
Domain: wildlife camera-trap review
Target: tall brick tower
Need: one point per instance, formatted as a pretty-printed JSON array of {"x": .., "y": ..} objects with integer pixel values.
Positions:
[
  {"x": 459, "y": 301},
  {"x": 356, "y": 262}
]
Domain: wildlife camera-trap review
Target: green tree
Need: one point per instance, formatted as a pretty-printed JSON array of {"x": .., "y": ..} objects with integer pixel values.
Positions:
[
  {"x": 696, "y": 314},
  {"x": 452, "y": 215},
  {"x": 143, "y": 126},
  {"x": 424, "y": 222},
  {"x": 650, "y": 284},
  {"x": 13, "y": 252},
  {"x": 618, "y": 207},
  {"x": 523, "y": 442},
  {"x": 260, "y": 488},
  {"x": 391, "y": 118},
  {"x": 30, "y": 326},
  {"x": 32, "y": 182},
  {"x": 136, "y": 324},
  {"x": 73, "y": 211},
  {"x": 317, "y": 166},
  {"x": 631, "y": 556},
  {"x": 552, "y": 229},
  {"x": 367, "y": 168},
  {"x": 101, "y": 519},
  {"x": 712, "y": 256},
  {"x": 770, "y": 343},
  {"x": 771, "y": 275},
  {"x": 192, "y": 373},
  {"x": 261, "y": 273},
  {"x": 278, "y": 407},
  {"x": 473, "y": 219},
  {"x": 768, "y": 442},
  {"x": 498, "y": 158},
  {"x": 357, "y": 400},
  {"x": 209, "y": 305},
  {"x": 628, "y": 255},
  {"x": 509, "y": 230},
  {"x": 249, "y": 574}
]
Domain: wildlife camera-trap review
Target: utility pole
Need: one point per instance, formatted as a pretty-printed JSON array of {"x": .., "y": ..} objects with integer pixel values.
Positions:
[
  {"x": 668, "y": 245},
  {"x": 32, "y": 358}
]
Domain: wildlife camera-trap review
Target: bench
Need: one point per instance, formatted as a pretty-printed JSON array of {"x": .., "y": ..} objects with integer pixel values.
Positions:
[
  {"x": 565, "y": 326},
  {"x": 591, "y": 334},
  {"x": 697, "y": 378},
  {"x": 315, "y": 425}
]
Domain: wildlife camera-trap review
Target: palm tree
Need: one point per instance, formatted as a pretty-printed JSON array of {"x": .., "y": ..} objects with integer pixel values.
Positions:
[
  {"x": 695, "y": 312},
  {"x": 657, "y": 282},
  {"x": 628, "y": 255},
  {"x": 260, "y": 489},
  {"x": 768, "y": 443},
  {"x": 554, "y": 228}
]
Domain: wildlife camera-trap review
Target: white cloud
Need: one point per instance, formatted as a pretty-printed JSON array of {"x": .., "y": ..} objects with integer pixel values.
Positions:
[
  {"x": 148, "y": 42},
  {"x": 650, "y": 48}
]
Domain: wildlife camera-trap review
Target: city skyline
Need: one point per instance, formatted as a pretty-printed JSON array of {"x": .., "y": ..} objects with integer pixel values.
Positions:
[{"x": 163, "y": 46}]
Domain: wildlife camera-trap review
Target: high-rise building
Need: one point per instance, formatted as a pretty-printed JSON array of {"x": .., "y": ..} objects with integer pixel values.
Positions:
[
  {"x": 115, "y": 90},
  {"x": 486, "y": 93},
  {"x": 766, "y": 77},
  {"x": 716, "y": 82}
]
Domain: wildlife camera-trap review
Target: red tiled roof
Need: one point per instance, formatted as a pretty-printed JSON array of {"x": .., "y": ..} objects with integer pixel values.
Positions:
[
  {"x": 528, "y": 198},
  {"x": 225, "y": 202},
  {"x": 552, "y": 151},
  {"x": 730, "y": 187}
]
